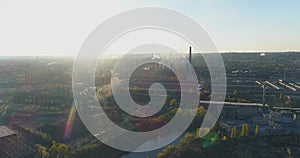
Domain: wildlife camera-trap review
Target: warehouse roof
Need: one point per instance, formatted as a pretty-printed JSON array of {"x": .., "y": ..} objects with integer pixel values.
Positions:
[{"x": 4, "y": 131}]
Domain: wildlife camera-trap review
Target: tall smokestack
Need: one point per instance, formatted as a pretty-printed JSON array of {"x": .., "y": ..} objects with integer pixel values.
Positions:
[{"x": 190, "y": 55}]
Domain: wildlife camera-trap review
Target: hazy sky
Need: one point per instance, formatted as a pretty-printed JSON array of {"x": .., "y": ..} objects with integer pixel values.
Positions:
[{"x": 58, "y": 27}]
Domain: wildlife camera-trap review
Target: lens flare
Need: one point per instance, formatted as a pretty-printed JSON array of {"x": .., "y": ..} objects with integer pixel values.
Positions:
[{"x": 69, "y": 123}]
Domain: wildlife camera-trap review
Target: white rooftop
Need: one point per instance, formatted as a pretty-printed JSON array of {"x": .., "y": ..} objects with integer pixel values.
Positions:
[
  {"x": 232, "y": 103},
  {"x": 4, "y": 131}
]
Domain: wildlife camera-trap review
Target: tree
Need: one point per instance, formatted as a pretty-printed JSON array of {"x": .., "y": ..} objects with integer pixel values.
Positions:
[
  {"x": 173, "y": 102},
  {"x": 58, "y": 151},
  {"x": 281, "y": 96},
  {"x": 135, "y": 89},
  {"x": 42, "y": 150},
  {"x": 233, "y": 133},
  {"x": 88, "y": 150},
  {"x": 288, "y": 102},
  {"x": 53, "y": 151},
  {"x": 210, "y": 139},
  {"x": 245, "y": 131},
  {"x": 186, "y": 141},
  {"x": 170, "y": 151},
  {"x": 242, "y": 134},
  {"x": 201, "y": 111},
  {"x": 146, "y": 124},
  {"x": 235, "y": 93},
  {"x": 198, "y": 119},
  {"x": 62, "y": 150},
  {"x": 202, "y": 132},
  {"x": 256, "y": 130},
  {"x": 224, "y": 138},
  {"x": 50, "y": 129}
]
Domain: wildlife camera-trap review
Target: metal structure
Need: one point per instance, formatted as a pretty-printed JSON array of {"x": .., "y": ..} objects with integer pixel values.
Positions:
[{"x": 13, "y": 147}]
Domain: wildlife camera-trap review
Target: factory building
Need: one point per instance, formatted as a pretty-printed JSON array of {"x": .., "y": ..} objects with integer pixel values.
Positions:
[{"x": 13, "y": 147}]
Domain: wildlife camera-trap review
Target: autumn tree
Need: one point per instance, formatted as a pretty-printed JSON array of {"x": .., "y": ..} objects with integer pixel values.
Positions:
[
  {"x": 42, "y": 150},
  {"x": 245, "y": 131},
  {"x": 288, "y": 102},
  {"x": 224, "y": 138},
  {"x": 186, "y": 141},
  {"x": 53, "y": 151},
  {"x": 281, "y": 96},
  {"x": 201, "y": 111},
  {"x": 62, "y": 150},
  {"x": 146, "y": 124},
  {"x": 202, "y": 132},
  {"x": 135, "y": 89},
  {"x": 170, "y": 151},
  {"x": 233, "y": 133},
  {"x": 197, "y": 121},
  {"x": 256, "y": 130},
  {"x": 235, "y": 93},
  {"x": 58, "y": 151},
  {"x": 173, "y": 102}
]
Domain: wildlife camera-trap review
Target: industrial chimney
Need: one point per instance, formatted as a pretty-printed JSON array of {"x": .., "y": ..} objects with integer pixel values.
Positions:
[{"x": 190, "y": 55}]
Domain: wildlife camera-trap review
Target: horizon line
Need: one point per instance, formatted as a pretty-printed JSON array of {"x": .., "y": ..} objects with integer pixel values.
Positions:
[{"x": 74, "y": 55}]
